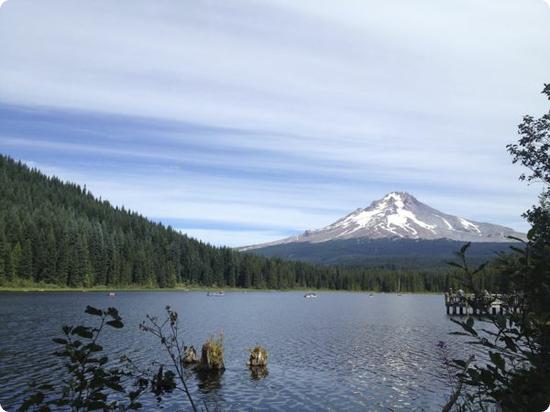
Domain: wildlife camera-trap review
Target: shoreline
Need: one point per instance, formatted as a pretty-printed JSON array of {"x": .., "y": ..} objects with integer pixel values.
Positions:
[{"x": 49, "y": 289}]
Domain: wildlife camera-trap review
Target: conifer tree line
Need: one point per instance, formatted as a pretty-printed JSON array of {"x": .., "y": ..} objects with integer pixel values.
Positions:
[{"x": 58, "y": 233}]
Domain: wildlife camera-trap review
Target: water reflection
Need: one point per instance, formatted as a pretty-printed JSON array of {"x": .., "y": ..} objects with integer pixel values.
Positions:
[
  {"x": 258, "y": 372},
  {"x": 209, "y": 380}
]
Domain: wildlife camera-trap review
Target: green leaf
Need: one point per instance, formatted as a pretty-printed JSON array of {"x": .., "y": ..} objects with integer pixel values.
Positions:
[
  {"x": 99, "y": 396},
  {"x": 115, "y": 386},
  {"x": 474, "y": 374},
  {"x": 93, "y": 311},
  {"x": 63, "y": 353},
  {"x": 93, "y": 347},
  {"x": 510, "y": 344},
  {"x": 500, "y": 321},
  {"x": 487, "y": 377},
  {"x": 497, "y": 360},
  {"x": 95, "y": 405},
  {"x": 83, "y": 332},
  {"x": 112, "y": 312},
  {"x": 34, "y": 399},
  {"x": 117, "y": 323},
  {"x": 467, "y": 326},
  {"x": 60, "y": 341}
]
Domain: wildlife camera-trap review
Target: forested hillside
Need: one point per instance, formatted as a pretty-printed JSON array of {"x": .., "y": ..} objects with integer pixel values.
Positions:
[
  {"x": 52, "y": 232},
  {"x": 391, "y": 253}
]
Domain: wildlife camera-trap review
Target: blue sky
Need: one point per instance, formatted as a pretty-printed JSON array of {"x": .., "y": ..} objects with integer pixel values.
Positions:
[{"x": 242, "y": 122}]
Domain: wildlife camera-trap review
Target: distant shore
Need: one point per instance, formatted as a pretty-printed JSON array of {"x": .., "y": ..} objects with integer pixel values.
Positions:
[{"x": 184, "y": 288}]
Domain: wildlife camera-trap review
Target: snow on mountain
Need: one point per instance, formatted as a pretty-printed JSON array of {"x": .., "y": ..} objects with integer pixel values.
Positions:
[{"x": 401, "y": 215}]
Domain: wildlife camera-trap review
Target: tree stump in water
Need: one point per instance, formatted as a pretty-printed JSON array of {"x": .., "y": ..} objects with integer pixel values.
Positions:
[
  {"x": 212, "y": 355},
  {"x": 258, "y": 357},
  {"x": 189, "y": 355},
  {"x": 257, "y": 363}
]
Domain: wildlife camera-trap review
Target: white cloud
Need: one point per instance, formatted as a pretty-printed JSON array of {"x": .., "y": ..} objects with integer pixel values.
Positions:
[
  {"x": 232, "y": 238},
  {"x": 344, "y": 100}
]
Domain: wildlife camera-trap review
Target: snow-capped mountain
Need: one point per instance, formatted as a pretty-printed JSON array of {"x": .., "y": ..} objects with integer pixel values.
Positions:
[{"x": 401, "y": 215}]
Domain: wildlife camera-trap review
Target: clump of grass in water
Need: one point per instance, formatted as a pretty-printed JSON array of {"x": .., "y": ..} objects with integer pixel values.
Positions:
[{"x": 212, "y": 354}]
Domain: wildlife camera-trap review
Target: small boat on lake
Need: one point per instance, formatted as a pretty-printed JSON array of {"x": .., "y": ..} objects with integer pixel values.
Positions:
[
  {"x": 310, "y": 295},
  {"x": 215, "y": 294},
  {"x": 112, "y": 294}
]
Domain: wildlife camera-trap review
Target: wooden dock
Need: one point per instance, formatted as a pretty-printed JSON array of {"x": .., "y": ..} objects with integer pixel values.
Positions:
[{"x": 482, "y": 304}]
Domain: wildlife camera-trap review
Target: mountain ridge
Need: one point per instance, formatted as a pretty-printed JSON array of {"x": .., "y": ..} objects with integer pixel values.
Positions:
[{"x": 399, "y": 215}]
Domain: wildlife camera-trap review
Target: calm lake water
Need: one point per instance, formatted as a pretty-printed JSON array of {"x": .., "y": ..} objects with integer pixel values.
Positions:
[{"x": 341, "y": 351}]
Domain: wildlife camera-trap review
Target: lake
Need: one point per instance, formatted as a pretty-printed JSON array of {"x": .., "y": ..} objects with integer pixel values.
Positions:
[{"x": 341, "y": 351}]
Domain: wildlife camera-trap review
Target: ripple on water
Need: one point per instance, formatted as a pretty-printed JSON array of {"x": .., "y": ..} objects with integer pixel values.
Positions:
[{"x": 340, "y": 351}]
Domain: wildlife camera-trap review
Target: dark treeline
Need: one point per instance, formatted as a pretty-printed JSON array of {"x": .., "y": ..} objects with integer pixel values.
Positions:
[
  {"x": 57, "y": 233},
  {"x": 387, "y": 252}
]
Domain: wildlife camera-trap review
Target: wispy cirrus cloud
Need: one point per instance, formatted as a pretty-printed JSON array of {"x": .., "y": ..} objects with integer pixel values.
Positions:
[{"x": 291, "y": 113}]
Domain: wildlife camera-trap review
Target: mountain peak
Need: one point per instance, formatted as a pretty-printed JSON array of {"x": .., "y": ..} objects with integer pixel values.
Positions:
[
  {"x": 401, "y": 215},
  {"x": 392, "y": 216},
  {"x": 398, "y": 198}
]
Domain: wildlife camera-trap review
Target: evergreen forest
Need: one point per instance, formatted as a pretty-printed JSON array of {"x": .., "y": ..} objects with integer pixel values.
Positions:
[{"x": 54, "y": 233}]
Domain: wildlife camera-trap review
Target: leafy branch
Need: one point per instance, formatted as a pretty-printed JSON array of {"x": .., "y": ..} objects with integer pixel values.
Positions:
[
  {"x": 167, "y": 332},
  {"x": 91, "y": 384}
]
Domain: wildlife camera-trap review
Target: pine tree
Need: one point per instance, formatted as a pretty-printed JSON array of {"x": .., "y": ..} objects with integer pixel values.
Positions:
[
  {"x": 26, "y": 262},
  {"x": 9, "y": 268},
  {"x": 2, "y": 265},
  {"x": 49, "y": 271},
  {"x": 171, "y": 275},
  {"x": 3, "y": 248},
  {"x": 62, "y": 262},
  {"x": 16, "y": 259}
]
